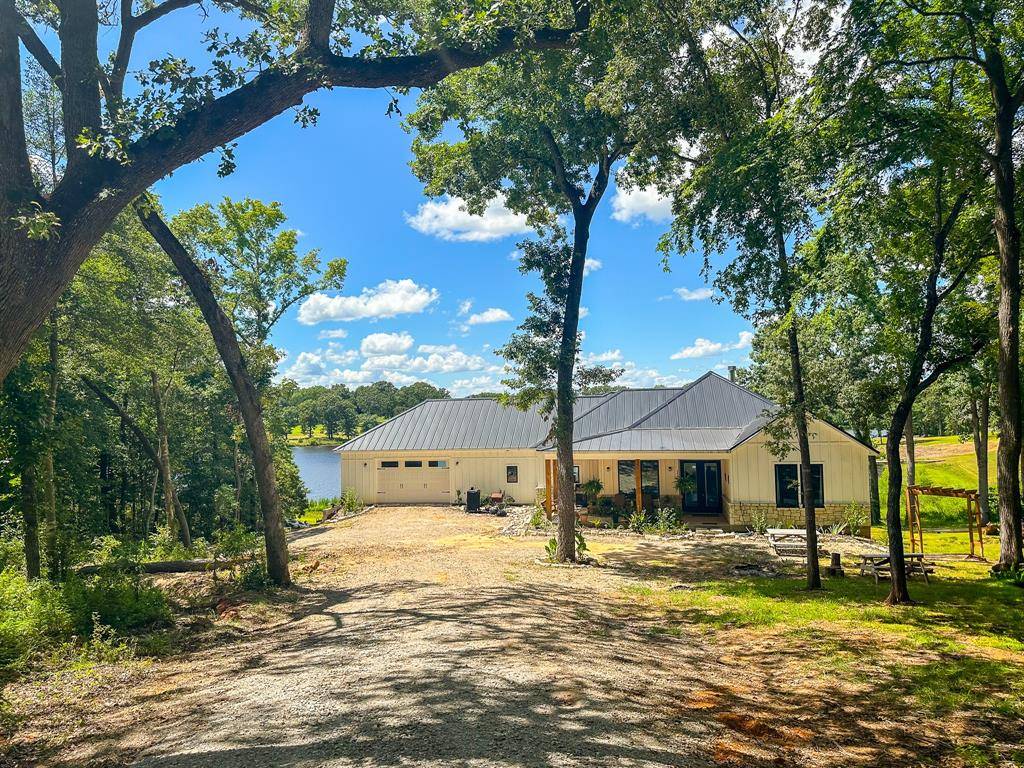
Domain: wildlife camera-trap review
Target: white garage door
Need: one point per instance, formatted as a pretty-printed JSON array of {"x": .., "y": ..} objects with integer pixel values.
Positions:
[{"x": 413, "y": 481}]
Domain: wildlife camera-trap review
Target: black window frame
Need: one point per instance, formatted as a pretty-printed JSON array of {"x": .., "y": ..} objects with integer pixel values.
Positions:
[
  {"x": 511, "y": 474},
  {"x": 413, "y": 464},
  {"x": 782, "y": 502},
  {"x": 438, "y": 464},
  {"x": 817, "y": 486},
  {"x": 390, "y": 464},
  {"x": 576, "y": 474}
]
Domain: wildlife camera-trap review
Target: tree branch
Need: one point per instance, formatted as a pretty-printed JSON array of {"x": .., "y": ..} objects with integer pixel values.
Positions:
[
  {"x": 570, "y": 190},
  {"x": 34, "y": 45},
  {"x": 79, "y": 33}
]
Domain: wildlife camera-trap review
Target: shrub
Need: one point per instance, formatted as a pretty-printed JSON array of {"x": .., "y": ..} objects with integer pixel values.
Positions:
[
  {"x": 638, "y": 521},
  {"x": 666, "y": 519},
  {"x": 239, "y": 542},
  {"x": 121, "y": 601},
  {"x": 253, "y": 577},
  {"x": 759, "y": 522},
  {"x": 537, "y": 518},
  {"x": 351, "y": 502},
  {"x": 854, "y": 518},
  {"x": 30, "y": 613}
]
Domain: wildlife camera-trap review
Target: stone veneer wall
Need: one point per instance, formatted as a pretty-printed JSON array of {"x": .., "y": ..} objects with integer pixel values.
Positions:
[{"x": 741, "y": 513}]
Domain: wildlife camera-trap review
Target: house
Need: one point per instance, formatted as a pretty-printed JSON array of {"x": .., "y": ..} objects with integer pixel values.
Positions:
[{"x": 709, "y": 432}]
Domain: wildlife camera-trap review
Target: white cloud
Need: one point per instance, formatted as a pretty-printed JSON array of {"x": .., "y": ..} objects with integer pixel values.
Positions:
[
  {"x": 429, "y": 349},
  {"x": 448, "y": 219},
  {"x": 489, "y": 315},
  {"x": 398, "y": 378},
  {"x": 609, "y": 356},
  {"x": 694, "y": 294},
  {"x": 385, "y": 344},
  {"x": 387, "y": 299},
  {"x": 313, "y": 368},
  {"x": 584, "y": 312},
  {"x": 470, "y": 386},
  {"x": 591, "y": 265},
  {"x": 464, "y": 306},
  {"x": 632, "y": 205},
  {"x": 635, "y": 376},
  {"x": 333, "y": 333},
  {"x": 707, "y": 348}
]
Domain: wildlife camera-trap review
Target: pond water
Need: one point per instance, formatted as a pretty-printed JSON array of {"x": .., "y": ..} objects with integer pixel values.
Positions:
[{"x": 320, "y": 469}]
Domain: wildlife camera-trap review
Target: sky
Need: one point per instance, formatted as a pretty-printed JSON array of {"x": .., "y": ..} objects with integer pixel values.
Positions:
[{"x": 431, "y": 292}]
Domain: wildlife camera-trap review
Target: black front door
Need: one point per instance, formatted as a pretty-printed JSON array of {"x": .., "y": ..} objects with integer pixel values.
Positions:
[{"x": 702, "y": 487}]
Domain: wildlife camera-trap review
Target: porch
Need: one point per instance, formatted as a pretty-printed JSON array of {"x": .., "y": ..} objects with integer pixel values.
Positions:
[{"x": 695, "y": 484}]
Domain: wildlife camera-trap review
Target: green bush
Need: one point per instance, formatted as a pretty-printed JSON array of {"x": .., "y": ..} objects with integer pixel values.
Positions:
[
  {"x": 239, "y": 542},
  {"x": 537, "y": 518},
  {"x": 854, "y": 518},
  {"x": 759, "y": 522},
  {"x": 121, "y": 601},
  {"x": 351, "y": 501},
  {"x": 638, "y": 521},
  {"x": 30, "y": 613},
  {"x": 666, "y": 520}
]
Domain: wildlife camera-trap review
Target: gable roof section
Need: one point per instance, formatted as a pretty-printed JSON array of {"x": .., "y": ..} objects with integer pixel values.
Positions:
[{"x": 710, "y": 414}]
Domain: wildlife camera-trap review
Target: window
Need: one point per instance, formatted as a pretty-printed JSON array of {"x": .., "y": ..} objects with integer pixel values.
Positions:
[
  {"x": 787, "y": 485},
  {"x": 818, "y": 484},
  {"x": 576, "y": 473},
  {"x": 512, "y": 473},
  {"x": 388, "y": 464},
  {"x": 438, "y": 464},
  {"x": 413, "y": 464}
]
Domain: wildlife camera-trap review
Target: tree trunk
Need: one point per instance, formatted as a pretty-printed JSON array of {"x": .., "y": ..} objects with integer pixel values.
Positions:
[
  {"x": 50, "y": 532},
  {"x": 30, "y": 520},
  {"x": 1008, "y": 455},
  {"x": 899, "y": 594},
  {"x": 245, "y": 390},
  {"x": 804, "y": 443},
  {"x": 175, "y": 512},
  {"x": 566, "y": 538},
  {"x": 911, "y": 450},
  {"x": 876, "y": 505},
  {"x": 979, "y": 430}
]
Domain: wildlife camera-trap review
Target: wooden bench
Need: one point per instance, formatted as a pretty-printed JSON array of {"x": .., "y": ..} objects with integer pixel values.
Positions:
[
  {"x": 880, "y": 566},
  {"x": 791, "y": 542}
]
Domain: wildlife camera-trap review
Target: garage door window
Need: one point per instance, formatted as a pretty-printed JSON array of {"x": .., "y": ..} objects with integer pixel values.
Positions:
[
  {"x": 438, "y": 464},
  {"x": 389, "y": 465},
  {"x": 411, "y": 464},
  {"x": 512, "y": 473}
]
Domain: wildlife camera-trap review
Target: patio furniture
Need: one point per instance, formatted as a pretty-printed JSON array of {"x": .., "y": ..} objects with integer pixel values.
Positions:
[
  {"x": 791, "y": 542},
  {"x": 880, "y": 566},
  {"x": 497, "y": 497}
]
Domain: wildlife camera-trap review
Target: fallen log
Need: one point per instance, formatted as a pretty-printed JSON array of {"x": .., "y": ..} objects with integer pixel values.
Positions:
[{"x": 163, "y": 566}]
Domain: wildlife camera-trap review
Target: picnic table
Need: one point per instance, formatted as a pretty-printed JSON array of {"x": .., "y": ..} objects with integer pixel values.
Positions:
[
  {"x": 790, "y": 542},
  {"x": 880, "y": 566}
]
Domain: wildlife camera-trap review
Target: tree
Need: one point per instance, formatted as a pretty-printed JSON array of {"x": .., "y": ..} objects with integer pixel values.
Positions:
[
  {"x": 118, "y": 145},
  {"x": 532, "y": 136},
  {"x": 899, "y": 42}
]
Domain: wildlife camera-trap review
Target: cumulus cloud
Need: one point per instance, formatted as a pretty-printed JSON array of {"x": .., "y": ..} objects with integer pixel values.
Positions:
[
  {"x": 323, "y": 367},
  {"x": 591, "y": 265},
  {"x": 707, "y": 348},
  {"x": 385, "y": 344},
  {"x": 440, "y": 349},
  {"x": 633, "y": 205},
  {"x": 584, "y": 312},
  {"x": 464, "y": 306},
  {"x": 636, "y": 376},
  {"x": 470, "y": 386},
  {"x": 386, "y": 299},
  {"x": 333, "y": 333},
  {"x": 598, "y": 358},
  {"x": 694, "y": 294},
  {"x": 489, "y": 315},
  {"x": 448, "y": 219}
]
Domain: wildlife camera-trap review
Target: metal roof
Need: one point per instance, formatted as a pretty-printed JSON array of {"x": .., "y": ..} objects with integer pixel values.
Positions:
[{"x": 710, "y": 414}]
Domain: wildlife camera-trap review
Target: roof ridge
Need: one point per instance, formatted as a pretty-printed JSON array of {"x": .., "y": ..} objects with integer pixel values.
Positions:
[{"x": 679, "y": 394}]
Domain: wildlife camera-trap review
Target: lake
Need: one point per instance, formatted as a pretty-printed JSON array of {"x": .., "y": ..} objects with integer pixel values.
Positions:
[{"x": 320, "y": 469}]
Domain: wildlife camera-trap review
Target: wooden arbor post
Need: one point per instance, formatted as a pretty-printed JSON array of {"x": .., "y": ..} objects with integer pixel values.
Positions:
[
  {"x": 914, "y": 492},
  {"x": 639, "y": 487}
]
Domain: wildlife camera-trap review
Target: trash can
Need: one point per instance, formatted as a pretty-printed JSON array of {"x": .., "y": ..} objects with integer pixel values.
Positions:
[{"x": 473, "y": 500}]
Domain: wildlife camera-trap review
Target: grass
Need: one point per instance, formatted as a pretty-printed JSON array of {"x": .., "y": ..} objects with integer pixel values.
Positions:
[{"x": 298, "y": 436}]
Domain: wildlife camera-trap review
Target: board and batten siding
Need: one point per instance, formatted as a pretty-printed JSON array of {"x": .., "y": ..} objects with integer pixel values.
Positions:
[
  {"x": 483, "y": 469},
  {"x": 844, "y": 463}
]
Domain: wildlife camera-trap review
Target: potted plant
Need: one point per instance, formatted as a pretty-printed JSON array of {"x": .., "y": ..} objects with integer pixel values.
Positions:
[{"x": 591, "y": 490}]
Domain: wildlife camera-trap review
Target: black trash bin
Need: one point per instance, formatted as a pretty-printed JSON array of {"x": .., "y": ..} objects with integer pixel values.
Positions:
[{"x": 473, "y": 500}]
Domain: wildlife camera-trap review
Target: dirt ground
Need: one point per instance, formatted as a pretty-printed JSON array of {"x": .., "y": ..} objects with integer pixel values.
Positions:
[{"x": 422, "y": 637}]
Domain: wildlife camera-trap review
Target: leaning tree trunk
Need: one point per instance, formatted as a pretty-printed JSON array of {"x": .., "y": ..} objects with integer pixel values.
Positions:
[
  {"x": 899, "y": 594},
  {"x": 50, "y": 534},
  {"x": 979, "y": 430},
  {"x": 875, "y": 501},
  {"x": 175, "y": 512},
  {"x": 1008, "y": 238},
  {"x": 245, "y": 390},
  {"x": 566, "y": 534},
  {"x": 30, "y": 520}
]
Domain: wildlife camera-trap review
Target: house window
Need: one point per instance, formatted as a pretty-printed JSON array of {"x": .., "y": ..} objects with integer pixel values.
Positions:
[
  {"x": 576, "y": 473},
  {"x": 389, "y": 465},
  {"x": 413, "y": 464},
  {"x": 787, "y": 485},
  {"x": 438, "y": 464},
  {"x": 512, "y": 473}
]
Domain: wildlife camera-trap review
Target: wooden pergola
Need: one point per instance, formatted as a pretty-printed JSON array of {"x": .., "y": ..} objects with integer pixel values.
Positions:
[{"x": 914, "y": 494}]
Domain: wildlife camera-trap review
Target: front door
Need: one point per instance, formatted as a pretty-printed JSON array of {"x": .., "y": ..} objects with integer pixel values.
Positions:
[{"x": 702, "y": 487}]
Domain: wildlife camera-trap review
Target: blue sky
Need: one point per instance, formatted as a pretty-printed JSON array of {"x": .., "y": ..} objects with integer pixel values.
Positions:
[{"x": 431, "y": 291}]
